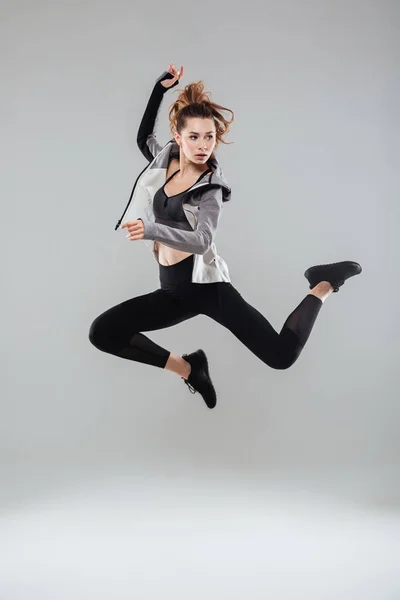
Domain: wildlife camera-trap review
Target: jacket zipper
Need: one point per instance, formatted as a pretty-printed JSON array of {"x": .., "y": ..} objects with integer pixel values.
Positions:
[{"x": 129, "y": 201}]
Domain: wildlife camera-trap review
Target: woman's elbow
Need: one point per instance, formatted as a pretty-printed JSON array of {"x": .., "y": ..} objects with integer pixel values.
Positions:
[
  {"x": 144, "y": 148},
  {"x": 205, "y": 241},
  {"x": 141, "y": 142}
]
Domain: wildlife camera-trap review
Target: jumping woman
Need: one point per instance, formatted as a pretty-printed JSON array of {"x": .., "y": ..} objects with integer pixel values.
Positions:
[{"x": 175, "y": 207}]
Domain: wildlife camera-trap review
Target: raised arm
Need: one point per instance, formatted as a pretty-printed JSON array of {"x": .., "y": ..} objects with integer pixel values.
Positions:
[{"x": 146, "y": 138}]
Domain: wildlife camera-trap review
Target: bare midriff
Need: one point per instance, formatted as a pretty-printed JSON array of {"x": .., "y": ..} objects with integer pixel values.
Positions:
[{"x": 166, "y": 255}]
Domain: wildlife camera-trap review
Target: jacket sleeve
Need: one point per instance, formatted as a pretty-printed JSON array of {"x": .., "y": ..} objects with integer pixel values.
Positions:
[
  {"x": 197, "y": 241},
  {"x": 146, "y": 139}
]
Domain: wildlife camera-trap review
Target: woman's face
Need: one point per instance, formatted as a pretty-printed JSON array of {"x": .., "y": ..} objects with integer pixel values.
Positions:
[{"x": 198, "y": 137}]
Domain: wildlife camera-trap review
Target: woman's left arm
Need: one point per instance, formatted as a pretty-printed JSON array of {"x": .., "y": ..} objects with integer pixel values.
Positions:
[{"x": 197, "y": 241}]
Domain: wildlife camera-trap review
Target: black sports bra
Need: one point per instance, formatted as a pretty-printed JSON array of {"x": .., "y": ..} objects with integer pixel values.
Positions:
[{"x": 168, "y": 209}]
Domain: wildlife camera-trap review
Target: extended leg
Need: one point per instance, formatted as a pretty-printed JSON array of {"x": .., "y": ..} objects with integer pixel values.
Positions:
[{"x": 278, "y": 350}]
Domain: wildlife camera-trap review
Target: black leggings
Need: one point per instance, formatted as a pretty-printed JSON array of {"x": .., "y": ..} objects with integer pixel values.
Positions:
[{"x": 119, "y": 329}]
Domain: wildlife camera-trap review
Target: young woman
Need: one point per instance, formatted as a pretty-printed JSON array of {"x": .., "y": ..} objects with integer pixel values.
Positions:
[{"x": 175, "y": 206}]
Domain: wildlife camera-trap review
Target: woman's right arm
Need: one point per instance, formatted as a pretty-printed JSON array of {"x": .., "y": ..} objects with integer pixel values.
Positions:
[{"x": 146, "y": 138}]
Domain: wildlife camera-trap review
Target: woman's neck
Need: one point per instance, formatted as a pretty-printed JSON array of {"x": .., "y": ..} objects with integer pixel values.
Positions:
[{"x": 188, "y": 169}]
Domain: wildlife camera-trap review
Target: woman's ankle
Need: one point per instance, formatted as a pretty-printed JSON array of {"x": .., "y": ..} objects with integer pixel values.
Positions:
[
  {"x": 322, "y": 290},
  {"x": 177, "y": 364}
]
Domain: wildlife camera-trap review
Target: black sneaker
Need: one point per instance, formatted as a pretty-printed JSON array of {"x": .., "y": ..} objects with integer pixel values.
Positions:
[
  {"x": 335, "y": 273},
  {"x": 199, "y": 379}
]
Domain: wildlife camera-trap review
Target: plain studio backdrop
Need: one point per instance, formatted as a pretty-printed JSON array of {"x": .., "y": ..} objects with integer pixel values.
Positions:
[{"x": 116, "y": 482}]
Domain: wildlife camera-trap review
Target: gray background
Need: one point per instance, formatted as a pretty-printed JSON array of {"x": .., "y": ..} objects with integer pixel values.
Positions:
[{"x": 171, "y": 499}]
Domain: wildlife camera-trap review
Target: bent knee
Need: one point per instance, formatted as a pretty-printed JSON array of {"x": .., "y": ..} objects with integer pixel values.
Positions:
[
  {"x": 93, "y": 338},
  {"x": 108, "y": 336},
  {"x": 284, "y": 361},
  {"x": 97, "y": 335}
]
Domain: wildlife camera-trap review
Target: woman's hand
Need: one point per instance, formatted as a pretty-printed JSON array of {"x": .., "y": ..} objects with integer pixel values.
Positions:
[
  {"x": 135, "y": 229},
  {"x": 177, "y": 75}
]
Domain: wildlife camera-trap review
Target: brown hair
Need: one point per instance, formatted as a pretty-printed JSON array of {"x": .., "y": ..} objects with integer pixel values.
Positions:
[{"x": 193, "y": 101}]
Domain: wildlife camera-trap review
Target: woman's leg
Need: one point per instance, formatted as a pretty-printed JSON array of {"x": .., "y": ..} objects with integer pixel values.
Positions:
[
  {"x": 118, "y": 329},
  {"x": 278, "y": 350}
]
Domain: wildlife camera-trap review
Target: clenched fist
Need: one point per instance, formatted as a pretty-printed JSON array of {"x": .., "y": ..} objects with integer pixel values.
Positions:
[{"x": 135, "y": 229}]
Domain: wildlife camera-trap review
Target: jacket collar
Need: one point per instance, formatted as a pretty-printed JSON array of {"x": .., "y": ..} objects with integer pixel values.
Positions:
[{"x": 217, "y": 176}]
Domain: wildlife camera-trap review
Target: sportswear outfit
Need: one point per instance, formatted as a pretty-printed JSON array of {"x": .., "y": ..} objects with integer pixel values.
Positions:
[{"x": 199, "y": 284}]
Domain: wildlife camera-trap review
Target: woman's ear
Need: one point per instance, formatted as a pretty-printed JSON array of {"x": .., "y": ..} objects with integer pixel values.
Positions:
[{"x": 177, "y": 138}]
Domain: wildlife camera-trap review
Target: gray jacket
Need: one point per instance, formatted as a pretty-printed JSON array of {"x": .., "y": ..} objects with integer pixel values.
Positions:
[{"x": 203, "y": 203}]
